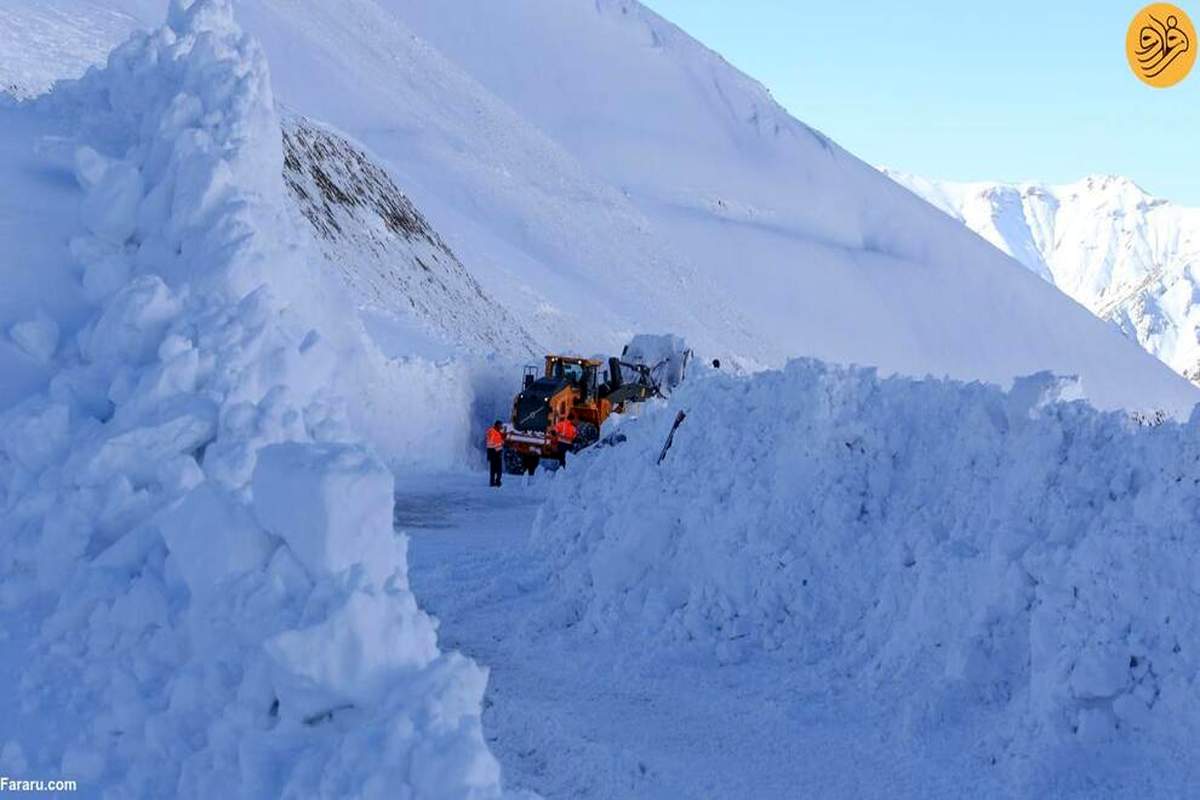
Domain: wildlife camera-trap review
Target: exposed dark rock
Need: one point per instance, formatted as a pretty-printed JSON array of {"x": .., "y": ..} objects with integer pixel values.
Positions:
[{"x": 388, "y": 254}]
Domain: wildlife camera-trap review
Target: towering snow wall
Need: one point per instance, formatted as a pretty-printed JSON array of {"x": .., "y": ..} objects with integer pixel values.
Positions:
[
  {"x": 202, "y": 590},
  {"x": 1014, "y": 553}
]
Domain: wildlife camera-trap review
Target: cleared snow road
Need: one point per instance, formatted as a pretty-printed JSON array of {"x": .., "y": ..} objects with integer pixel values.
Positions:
[{"x": 571, "y": 715}]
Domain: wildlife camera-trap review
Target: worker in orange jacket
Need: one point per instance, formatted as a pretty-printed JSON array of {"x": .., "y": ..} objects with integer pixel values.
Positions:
[
  {"x": 495, "y": 453},
  {"x": 565, "y": 431}
]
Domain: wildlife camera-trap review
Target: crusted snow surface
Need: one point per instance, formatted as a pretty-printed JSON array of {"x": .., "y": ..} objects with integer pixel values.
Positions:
[
  {"x": 42, "y": 41},
  {"x": 953, "y": 549},
  {"x": 202, "y": 590}
]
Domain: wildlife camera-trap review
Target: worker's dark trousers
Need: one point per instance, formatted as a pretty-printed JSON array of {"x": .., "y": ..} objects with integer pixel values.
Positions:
[{"x": 495, "y": 466}]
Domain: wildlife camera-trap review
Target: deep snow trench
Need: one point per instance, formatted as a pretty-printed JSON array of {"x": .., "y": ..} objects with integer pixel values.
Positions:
[
  {"x": 572, "y": 715},
  {"x": 835, "y": 585},
  {"x": 200, "y": 586}
]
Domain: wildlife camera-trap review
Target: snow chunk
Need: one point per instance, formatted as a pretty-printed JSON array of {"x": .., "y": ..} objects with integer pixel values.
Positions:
[
  {"x": 38, "y": 434},
  {"x": 1100, "y": 673},
  {"x": 357, "y": 651},
  {"x": 114, "y": 191},
  {"x": 38, "y": 337},
  {"x": 140, "y": 452},
  {"x": 332, "y": 504},
  {"x": 132, "y": 324},
  {"x": 211, "y": 538}
]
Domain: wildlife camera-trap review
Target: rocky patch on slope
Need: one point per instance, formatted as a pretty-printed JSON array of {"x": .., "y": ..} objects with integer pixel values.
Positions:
[{"x": 387, "y": 253}]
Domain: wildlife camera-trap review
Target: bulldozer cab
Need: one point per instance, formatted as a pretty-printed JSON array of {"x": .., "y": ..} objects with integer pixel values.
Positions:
[
  {"x": 567, "y": 385},
  {"x": 579, "y": 372}
]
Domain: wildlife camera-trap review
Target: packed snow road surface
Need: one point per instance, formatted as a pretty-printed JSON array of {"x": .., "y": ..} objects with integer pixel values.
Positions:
[
  {"x": 863, "y": 587},
  {"x": 573, "y": 715}
]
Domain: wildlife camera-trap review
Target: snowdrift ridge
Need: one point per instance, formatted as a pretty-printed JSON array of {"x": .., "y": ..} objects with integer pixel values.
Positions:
[{"x": 1012, "y": 549}]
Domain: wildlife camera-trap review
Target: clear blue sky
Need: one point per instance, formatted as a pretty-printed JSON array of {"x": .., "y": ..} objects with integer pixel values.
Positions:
[{"x": 1011, "y": 90}]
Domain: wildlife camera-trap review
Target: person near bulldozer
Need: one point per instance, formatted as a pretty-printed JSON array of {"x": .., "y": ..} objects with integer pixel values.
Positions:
[
  {"x": 495, "y": 453},
  {"x": 565, "y": 432}
]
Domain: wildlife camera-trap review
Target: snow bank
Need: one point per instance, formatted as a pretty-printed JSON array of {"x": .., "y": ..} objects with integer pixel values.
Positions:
[
  {"x": 196, "y": 545},
  {"x": 941, "y": 540}
]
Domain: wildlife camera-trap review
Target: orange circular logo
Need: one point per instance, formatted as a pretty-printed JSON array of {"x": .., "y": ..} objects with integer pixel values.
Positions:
[{"x": 1161, "y": 45}]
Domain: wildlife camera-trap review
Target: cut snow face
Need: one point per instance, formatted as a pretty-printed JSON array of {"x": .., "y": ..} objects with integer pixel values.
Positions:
[
  {"x": 952, "y": 549},
  {"x": 1128, "y": 257},
  {"x": 202, "y": 588}
]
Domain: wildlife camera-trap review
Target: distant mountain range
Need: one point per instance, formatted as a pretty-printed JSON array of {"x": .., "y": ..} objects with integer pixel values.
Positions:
[{"x": 1130, "y": 258}]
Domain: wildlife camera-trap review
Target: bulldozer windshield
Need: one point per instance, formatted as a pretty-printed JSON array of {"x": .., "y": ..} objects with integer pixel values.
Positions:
[{"x": 567, "y": 371}]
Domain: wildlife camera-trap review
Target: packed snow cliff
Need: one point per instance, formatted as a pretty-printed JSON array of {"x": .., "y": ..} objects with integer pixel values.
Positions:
[
  {"x": 952, "y": 549},
  {"x": 202, "y": 590}
]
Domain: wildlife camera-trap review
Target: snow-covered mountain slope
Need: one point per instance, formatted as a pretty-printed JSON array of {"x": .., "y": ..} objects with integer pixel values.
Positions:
[
  {"x": 1130, "y": 258},
  {"x": 821, "y": 255},
  {"x": 202, "y": 588},
  {"x": 565, "y": 252},
  {"x": 599, "y": 172},
  {"x": 398, "y": 270},
  {"x": 42, "y": 41}
]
